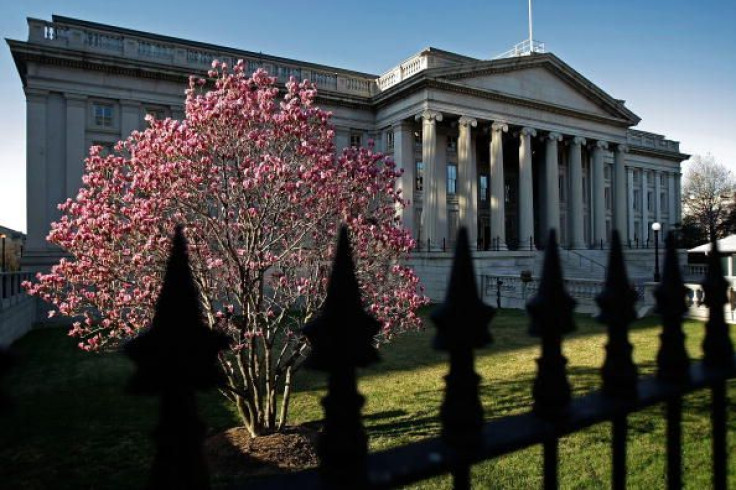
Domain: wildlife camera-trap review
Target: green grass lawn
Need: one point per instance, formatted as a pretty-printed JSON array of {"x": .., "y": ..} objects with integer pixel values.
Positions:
[{"x": 73, "y": 427}]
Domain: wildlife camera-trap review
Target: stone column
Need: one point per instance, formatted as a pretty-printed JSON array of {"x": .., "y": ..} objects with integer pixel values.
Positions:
[
  {"x": 644, "y": 207},
  {"x": 526, "y": 189},
  {"x": 76, "y": 111},
  {"x": 552, "y": 184},
  {"x": 576, "y": 192},
  {"x": 130, "y": 117},
  {"x": 671, "y": 208},
  {"x": 36, "y": 196},
  {"x": 404, "y": 159},
  {"x": 440, "y": 197},
  {"x": 599, "y": 198},
  {"x": 431, "y": 176},
  {"x": 467, "y": 179},
  {"x": 619, "y": 185},
  {"x": 632, "y": 231},
  {"x": 498, "y": 208}
]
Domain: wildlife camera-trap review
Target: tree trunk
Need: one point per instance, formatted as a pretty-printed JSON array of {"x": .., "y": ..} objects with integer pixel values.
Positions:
[{"x": 285, "y": 400}]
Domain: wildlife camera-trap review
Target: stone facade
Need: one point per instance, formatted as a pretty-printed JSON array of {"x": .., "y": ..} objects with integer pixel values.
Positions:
[{"x": 509, "y": 147}]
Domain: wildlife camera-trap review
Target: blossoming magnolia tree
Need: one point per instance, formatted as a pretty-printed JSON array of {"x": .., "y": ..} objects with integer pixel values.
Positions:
[{"x": 256, "y": 182}]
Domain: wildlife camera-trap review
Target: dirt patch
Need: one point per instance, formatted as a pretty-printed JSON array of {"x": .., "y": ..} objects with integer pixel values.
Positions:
[{"x": 235, "y": 453}]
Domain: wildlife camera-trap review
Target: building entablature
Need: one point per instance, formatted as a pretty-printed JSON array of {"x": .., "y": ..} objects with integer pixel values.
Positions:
[{"x": 167, "y": 57}]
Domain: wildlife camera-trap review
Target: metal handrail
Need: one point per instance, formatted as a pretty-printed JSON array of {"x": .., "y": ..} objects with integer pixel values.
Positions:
[{"x": 583, "y": 257}]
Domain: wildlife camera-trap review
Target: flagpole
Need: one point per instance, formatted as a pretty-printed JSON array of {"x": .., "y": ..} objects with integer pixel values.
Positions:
[{"x": 531, "y": 31}]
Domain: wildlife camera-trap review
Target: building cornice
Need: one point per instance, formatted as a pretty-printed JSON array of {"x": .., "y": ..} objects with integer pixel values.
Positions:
[{"x": 652, "y": 152}]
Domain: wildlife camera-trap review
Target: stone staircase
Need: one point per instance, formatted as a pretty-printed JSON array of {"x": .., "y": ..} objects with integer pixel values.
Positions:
[{"x": 592, "y": 264}]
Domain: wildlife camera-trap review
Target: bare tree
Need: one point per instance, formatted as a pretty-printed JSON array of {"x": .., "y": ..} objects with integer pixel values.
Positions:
[{"x": 708, "y": 193}]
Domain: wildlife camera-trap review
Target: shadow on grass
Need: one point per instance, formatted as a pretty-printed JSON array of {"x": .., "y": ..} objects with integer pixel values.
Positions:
[
  {"x": 413, "y": 350},
  {"x": 71, "y": 423}
]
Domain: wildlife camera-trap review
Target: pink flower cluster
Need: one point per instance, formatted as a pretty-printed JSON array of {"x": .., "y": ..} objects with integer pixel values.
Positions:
[{"x": 254, "y": 178}]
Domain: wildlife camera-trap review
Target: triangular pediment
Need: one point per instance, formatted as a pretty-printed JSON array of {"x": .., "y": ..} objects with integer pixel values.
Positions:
[{"x": 541, "y": 78}]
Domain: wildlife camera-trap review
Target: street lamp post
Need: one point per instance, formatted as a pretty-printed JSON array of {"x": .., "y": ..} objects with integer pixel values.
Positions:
[{"x": 656, "y": 227}]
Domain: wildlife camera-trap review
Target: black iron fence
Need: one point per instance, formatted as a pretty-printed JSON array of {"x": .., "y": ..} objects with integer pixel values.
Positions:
[{"x": 341, "y": 339}]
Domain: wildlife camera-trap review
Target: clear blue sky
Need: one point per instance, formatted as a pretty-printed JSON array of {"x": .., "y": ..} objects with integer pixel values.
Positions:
[{"x": 673, "y": 61}]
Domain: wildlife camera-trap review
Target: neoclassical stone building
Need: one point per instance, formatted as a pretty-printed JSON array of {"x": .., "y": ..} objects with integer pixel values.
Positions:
[{"x": 508, "y": 147}]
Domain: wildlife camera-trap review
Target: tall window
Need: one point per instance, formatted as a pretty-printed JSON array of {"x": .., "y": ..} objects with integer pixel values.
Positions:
[
  {"x": 451, "y": 179},
  {"x": 483, "y": 188},
  {"x": 607, "y": 194},
  {"x": 419, "y": 167},
  {"x": 389, "y": 140},
  {"x": 650, "y": 201},
  {"x": 637, "y": 199},
  {"x": 102, "y": 114},
  {"x": 356, "y": 139}
]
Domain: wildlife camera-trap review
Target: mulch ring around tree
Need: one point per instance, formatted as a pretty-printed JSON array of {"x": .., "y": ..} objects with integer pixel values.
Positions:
[{"x": 235, "y": 453}]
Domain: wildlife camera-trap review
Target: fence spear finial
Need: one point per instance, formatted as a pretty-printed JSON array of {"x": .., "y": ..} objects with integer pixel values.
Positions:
[
  {"x": 331, "y": 343},
  {"x": 551, "y": 311},
  {"x": 616, "y": 303},
  {"x": 462, "y": 325},
  {"x": 717, "y": 346},
  {"x": 175, "y": 356},
  {"x": 673, "y": 363},
  {"x": 462, "y": 305},
  {"x": 342, "y": 338}
]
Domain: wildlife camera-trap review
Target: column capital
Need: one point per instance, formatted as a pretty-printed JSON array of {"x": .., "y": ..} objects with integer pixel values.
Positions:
[
  {"x": 499, "y": 127},
  {"x": 527, "y": 131},
  {"x": 577, "y": 140},
  {"x": 468, "y": 121},
  {"x": 601, "y": 145},
  {"x": 621, "y": 148},
  {"x": 553, "y": 136},
  {"x": 429, "y": 116}
]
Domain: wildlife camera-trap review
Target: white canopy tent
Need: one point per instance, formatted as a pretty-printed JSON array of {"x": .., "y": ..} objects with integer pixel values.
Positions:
[{"x": 725, "y": 246}]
